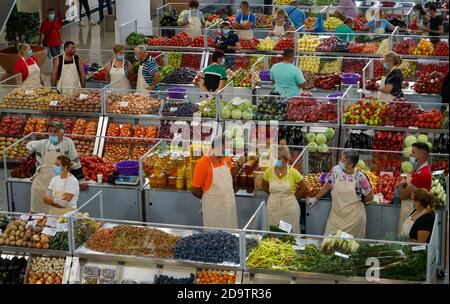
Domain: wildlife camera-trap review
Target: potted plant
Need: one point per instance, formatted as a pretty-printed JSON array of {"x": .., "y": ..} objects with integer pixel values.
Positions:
[{"x": 21, "y": 27}]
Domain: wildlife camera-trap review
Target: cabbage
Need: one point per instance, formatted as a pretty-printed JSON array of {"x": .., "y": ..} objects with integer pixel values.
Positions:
[
  {"x": 321, "y": 139},
  {"x": 429, "y": 145},
  {"x": 407, "y": 167},
  {"x": 410, "y": 140},
  {"x": 323, "y": 148},
  {"x": 329, "y": 133},
  {"x": 236, "y": 114},
  {"x": 312, "y": 147},
  {"x": 422, "y": 138},
  {"x": 247, "y": 115},
  {"x": 310, "y": 137},
  {"x": 227, "y": 134},
  {"x": 225, "y": 113},
  {"x": 407, "y": 152}
]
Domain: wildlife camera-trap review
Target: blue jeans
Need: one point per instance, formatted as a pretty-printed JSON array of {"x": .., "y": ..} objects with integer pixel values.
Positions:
[{"x": 100, "y": 7}]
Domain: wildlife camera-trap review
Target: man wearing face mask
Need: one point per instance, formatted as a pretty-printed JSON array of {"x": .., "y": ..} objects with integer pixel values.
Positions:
[
  {"x": 214, "y": 77},
  {"x": 50, "y": 32},
  {"x": 213, "y": 184},
  {"x": 68, "y": 72},
  {"x": 148, "y": 74},
  {"x": 287, "y": 77},
  {"x": 47, "y": 151},
  {"x": 228, "y": 42},
  {"x": 419, "y": 178},
  {"x": 350, "y": 189}
]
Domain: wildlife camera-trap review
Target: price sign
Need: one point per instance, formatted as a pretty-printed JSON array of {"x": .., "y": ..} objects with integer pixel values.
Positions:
[
  {"x": 173, "y": 109},
  {"x": 285, "y": 226},
  {"x": 37, "y": 217},
  {"x": 439, "y": 172},
  {"x": 24, "y": 217},
  {"x": 124, "y": 104},
  {"x": 53, "y": 103},
  {"x": 236, "y": 102},
  {"x": 51, "y": 222},
  {"x": 61, "y": 227},
  {"x": 29, "y": 92},
  {"x": 83, "y": 96},
  {"x": 207, "y": 110},
  {"x": 413, "y": 128},
  {"x": 296, "y": 247},
  {"x": 418, "y": 248},
  {"x": 386, "y": 173},
  {"x": 342, "y": 255},
  {"x": 346, "y": 235},
  {"x": 49, "y": 231},
  {"x": 32, "y": 223}
]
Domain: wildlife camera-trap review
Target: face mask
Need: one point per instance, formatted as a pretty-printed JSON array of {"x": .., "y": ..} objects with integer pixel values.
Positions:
[
  {"x": 226, "y": 31},
  {"x": 413, "y": 160},
  {"x": 137, "y": 58},
  {"x": 223, "y": 61},
  {"x": 280, "y": 20},
  {"x": 121, "y": 57},
  {"x": 51, "y": 17},
  {"x": 53, "y": 139},
  {"x": 57, "y": 170},
  {"x": 385, "y": 66},
  {"x": 73, "y": 52},
  {"x": 278, "y": 164},
  {"x": 341, "y": 165},
  {"x": 30, "y": 53}
]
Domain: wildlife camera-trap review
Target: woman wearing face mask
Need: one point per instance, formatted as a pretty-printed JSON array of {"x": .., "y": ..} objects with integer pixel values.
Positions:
[
  {"x": 27, "y": 66},
  {"x": 214, "y": 77},
  {"x": 350, "y": 189},
  {"x": 391, "y": 84},
  {"x": 419, "y": 225},
  {"x": 63, "y": 190},
  {"x": 120, "y": 70},
  {"x": 285, "y": 187},
  {"x": 50, "y": 35},
  {"x": 281, "y": 26}
]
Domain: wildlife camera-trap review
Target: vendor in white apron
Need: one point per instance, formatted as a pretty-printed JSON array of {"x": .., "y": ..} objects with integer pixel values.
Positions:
[
  {"x": 281, "y": 25},
  {"x": 212, "y": 183},
  {"x": 245, "y": 21},
  {"x": 391, "y": 84},
  {"x": 27, "y": 66},
  {"x": 418, "y": 226},
  {"x": 194, "y": 20},
  {"x": 68, "y": 71},
  {"x": 120, "y": 70},
  {"x": 148, "y": 74},
  {"x": 285, "y": 187},
  {"x": 63, "y": 190},
  {"x": 419, "y": 178},
  {"x": 47, "y": 150},
  {"x": 350, "y": 189}
]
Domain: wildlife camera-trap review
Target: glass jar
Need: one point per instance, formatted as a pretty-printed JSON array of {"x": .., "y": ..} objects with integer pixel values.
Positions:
[
  {"x": 162, "y": 180},
  {"x": 250, "y": 183},
  {"x": 172, "y": 167},
  {"x": 242, "y": 180},
  {"x": 172, "y": 182},
  {"x": 153, "y": 181},
  {"x": 180, "y": 183},
  {"x": 156, "y": 164},
  {"x": 187, "y": 177}
]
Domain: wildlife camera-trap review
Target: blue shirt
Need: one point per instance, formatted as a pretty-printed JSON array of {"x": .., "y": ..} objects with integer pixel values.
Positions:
[
  {"x": 297, "y": 16},
  {"x": 384, "y": 23},
  {"x": 250, "y": 17},
  {"x": 287, "y": 79},
  {"x": 150, "y": 67},
  {"x": 223, "y": 41}
]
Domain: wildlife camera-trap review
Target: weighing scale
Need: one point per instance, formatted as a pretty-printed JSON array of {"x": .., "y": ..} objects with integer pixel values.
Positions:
[{"x": 127, "y": 180}]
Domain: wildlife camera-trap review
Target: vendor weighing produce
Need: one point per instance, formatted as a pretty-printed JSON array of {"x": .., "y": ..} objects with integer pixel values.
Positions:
[
  {"x": 214, "y": 77},
  {"x": 285, "y": 187},
  {"x": 391, "y": 84},
  {"x": 63, "y": 190},
  {"x": 245, "y": 21},
  {"x": 194, "y": 20},
  {"x": 148, "y": 74},
  {"x": 228, "y": 42},
  {"x": 350, "y": 189},
  {"x": 119, "y": 70},
  {"x": 419, "y": 178},
  {"x": 47, "y": 151},
  {"x": 27, "y": 66},
  {"x": 213, "y": 184},
  {"x": 287, "y": 77},
  {"x": 68, "y": 72}
]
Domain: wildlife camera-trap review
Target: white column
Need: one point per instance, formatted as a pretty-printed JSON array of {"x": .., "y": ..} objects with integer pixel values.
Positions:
[{"x": 127, "y": 11}]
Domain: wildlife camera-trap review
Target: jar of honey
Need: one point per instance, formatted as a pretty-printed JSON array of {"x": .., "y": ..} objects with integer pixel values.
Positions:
[
  {"x": 242, "y": 181},
  {"x": 180, "y": 183},
  {"x": 153, "y": 181},
  {"x": 162, "y": 180},
  {"x": 172, "y": 182},
  {"x": 180, "y": 167},
  {"x": 187, "y": 177}
]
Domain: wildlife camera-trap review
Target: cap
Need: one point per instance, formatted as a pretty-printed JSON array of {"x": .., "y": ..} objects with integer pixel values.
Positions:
[
  {"x": 225, "y": 23},
  {"x": 57, "y": 125}
]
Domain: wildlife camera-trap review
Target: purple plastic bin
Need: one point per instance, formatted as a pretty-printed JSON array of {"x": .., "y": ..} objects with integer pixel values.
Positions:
[
  {"x": 86, "y": 67},
  {"x": 333, "y": 97},
  {"x": 350, "y": 78},
  {"x": 128, "y": 168},
  {"x": 264, "y": 75},
  {"x": 322, "y": 178},
  {"x": 176, "y": 93}
]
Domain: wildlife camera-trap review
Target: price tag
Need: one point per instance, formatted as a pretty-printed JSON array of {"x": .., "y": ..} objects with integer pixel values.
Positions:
[
  {"x": 173, "y": 109},
  {"x": 37, "y": 217},
  {"x": 52, "y": 222},
  {"x": 285, "y": 226},
  {"x": 24, "y": 217},
  {"x": 29, "y": 92},
  {"x": 439, "y": 172},
  {"x": 390, "y": 126},
  {"x": 345, "y": 235},
  {"x": 418, "y": 248},
  {"x": 300, "y": 121},
  {"x": 206, "y": 110},
  {"x": 124, "y": 104},
  {"x": 83, "y": 96},
  {"x": 53, "y": 103},
  {"x": 49, "y": 231},
  {"x": 413, "y": 128},
  {"x": 32, "y": 223},
  {"x": 342, "y": 255},
  {"x": 61, "y": 227},
  {"x": 276, "y": 267},
  {"x": 386, "y": 173}
]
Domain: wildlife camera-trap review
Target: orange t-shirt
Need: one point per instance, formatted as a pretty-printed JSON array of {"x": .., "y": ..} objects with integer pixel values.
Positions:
[{"x": 203, "y": 173}]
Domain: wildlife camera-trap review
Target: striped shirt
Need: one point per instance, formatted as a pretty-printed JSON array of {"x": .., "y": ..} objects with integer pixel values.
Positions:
[{"x": 150, "y": 67}]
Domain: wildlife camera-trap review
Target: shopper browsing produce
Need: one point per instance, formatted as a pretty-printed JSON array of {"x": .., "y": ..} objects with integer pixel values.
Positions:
[
  {"x": 419, "y": 178},
  {"x": 296, "y": 16},
  {"x": 47, "y": 150},
  {"x": 49, "y": 33},
  {"x": 391, "y": 84},
  {"x": 287, "y": 77},
  {"x": 345, "y": 31},
  {"x": 63, "y": 190},
  {"x": 119, "y": 70},
  {"x": 347, "y": 8},
  {"x": 213, "y": 184},
  {"x": 27, "y": 66},
  {"x": 422, "y": 18},
  {"x": 228, "y": 42},
  {"x": 68, "y": 72},
  {"x": 281, "y": 25},
  {"x": 419, "y": 225},
  {"x": 214, "y": 77},
  {"x": 445, "y": 86},
  {"x": 194, "y": 20},
  {"x": 350, "y": 188},
  {"x": 285, "y": 187},
  {"x": 148, "y": 73},
  {"x": 245, "y": 21},
  {"x": 436, "y": 24}
]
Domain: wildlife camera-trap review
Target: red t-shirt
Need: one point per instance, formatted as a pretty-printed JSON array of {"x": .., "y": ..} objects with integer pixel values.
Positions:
[
  {"x": 20, "y": 67},
  {"x": 49, "y": 30},
  {"x": 422, "y": 178}
]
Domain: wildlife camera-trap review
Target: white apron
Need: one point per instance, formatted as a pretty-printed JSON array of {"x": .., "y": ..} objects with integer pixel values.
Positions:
[
  {"x": 119, "y": 80},
  {"x": 194, "y": 27},
  {"x": 282, "y": 203},
  {"x": 379, "y": 30},
  {"x": 141, "y": 85},
  {"x": 347, "y": 211},
  {"x": 69, "y": 81},
  {"x": 218, "y": 202},
  {"x": 41, "y": 182},
  {"x": 279, "y": 31},
  {"x": 245, "y": 33},
  {"x": 59, "y": 193},
  {"x": 34, "y": 75},
  {"x": 408, "y": 223},
  {"x": 407, "y": 206},
  {"x": 385, "y": 96}
]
